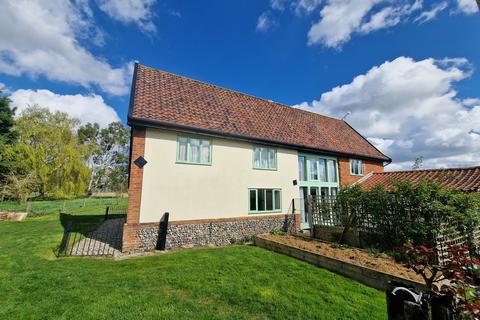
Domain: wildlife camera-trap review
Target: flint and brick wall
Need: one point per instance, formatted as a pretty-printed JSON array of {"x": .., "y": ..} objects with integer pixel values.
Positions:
[
  {"x": 208, "y": 232},
  {"x": 346, "y": 179}
]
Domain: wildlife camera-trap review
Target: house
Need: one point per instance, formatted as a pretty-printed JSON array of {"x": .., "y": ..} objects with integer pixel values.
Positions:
[
  {"x": 227, "y": 165},
  {"x": 463, "y": 179}
]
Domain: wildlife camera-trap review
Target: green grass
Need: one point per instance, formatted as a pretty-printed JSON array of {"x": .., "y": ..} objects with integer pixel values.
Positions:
[
  {"x": 238, "y": 282},
  {"x": 73, "y": 206}
]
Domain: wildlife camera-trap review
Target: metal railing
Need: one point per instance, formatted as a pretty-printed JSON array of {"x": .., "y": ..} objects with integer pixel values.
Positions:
[
  {"x": 83, "y": 239},
  {"x": 94, "y": 237},
  {"x": 115, "y": 210}
]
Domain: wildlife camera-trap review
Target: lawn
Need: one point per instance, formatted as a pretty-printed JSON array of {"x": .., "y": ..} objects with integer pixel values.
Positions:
[
  {"x": 238, "y": 282},
  {"x": 73, "y": 206}
]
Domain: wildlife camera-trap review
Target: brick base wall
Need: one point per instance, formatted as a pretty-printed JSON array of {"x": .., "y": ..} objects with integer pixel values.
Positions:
[{"x": 217, "y": 232}]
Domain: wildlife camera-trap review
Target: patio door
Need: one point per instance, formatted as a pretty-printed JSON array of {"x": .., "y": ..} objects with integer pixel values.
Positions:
[
  {"x": 318, "y": 178},
  {"x": 306, "y": 193}
]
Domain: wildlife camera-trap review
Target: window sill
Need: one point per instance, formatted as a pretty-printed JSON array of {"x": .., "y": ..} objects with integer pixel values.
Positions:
[
  {"x": 317, "y": 181},
  {"x": 264, "y": 212},
  {"x": 265, "y": 169},
  {"x": 356, "y": 175},
  {"x": 193, "y": 163}
]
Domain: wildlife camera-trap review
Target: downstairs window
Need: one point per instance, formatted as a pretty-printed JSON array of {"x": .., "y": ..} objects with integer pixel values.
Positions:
[{"x": 265, "y": 200}]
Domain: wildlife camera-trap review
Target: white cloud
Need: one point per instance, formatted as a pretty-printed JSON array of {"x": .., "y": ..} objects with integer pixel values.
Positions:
[
  {"x": 298, "y": 6},
  {"x": 467, "y": 6},
  {"x": 409, "y": 108},
  {"x": 385, "y": 18},
  {"x": 305, "y": 6},
  {"x": 130, "y": 11},
  {"x": 471, "y": 102},
  {"x": 432, "y": 13},
  {"x": 87, "y": 108},
  {"x": 42, "y": 38},
  {"x": 340, "y": 19},
  {"x": 389, "y": 17},
  {"x": 278, "y": 4},
  {"x": 265, "y": 22}
]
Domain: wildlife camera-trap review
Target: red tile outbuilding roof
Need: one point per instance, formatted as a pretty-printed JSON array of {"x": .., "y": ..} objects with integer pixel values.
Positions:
[
  {"x": 464, "y": 179},
  {"x": 164, "y": 100}
]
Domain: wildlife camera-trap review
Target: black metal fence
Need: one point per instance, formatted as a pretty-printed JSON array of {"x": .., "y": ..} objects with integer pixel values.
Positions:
[
  {"x": 96, "y": 237},
  {"x": 115, "y": 211}
]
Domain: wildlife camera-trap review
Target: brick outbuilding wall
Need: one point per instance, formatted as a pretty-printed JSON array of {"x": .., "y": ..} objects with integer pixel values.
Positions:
[{"x": 344, "y": 170}]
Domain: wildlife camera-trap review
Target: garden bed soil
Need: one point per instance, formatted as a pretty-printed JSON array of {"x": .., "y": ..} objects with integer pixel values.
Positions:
[{"x": 376, "y": 261}]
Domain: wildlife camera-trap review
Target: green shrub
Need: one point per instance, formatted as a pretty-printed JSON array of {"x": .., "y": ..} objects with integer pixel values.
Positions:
[
  {"x": 277, "y": 232},
  {"x": 409, "y": 212}
]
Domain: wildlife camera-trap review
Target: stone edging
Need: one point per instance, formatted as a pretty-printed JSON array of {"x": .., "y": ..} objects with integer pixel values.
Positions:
[{"x": 372, "y": 278}]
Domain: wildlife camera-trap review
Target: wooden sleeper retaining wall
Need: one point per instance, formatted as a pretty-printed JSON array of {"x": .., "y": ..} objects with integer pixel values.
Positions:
[{"x": 372, "y": 278}]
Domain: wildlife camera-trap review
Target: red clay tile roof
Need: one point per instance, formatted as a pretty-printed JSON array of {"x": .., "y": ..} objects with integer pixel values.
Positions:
[
  {"x": 465, "y": 179},
  {"x": 162, "y": 99}
]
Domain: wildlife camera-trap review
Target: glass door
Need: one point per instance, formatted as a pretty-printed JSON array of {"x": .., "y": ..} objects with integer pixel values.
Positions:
[
  {"x": 304, "y": 224},
  {"x": 318, "y": 182}
]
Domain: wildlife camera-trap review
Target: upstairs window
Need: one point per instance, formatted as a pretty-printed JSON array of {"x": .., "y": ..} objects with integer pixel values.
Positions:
[
  {"x": 194, "y": 150},
  {"x": 302, "y": 170},
  {"x": 264, "y": 158},
  {"x": 356, "y": 167},
  {"x": 317, "y": 170},
  {"x": 332, "y": 171}
]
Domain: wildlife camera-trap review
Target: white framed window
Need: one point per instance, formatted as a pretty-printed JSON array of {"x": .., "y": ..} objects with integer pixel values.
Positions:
[
  {"x": 193, "y": 150},
  {"x": 264, "y": 200},
  {"x": 264, "y": 158},
  {"x": 356, "y": 167}
]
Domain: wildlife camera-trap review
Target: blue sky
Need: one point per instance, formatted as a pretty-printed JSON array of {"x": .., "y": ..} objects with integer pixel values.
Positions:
[{"x": 406, "y": 70}]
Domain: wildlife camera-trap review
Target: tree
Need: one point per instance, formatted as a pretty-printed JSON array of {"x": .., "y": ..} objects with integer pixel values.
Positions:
[
  {"x": 109, "y": 161},
  {"x": 18, "y": 187},
  {"x": 48, "y": 148},
  {"x": 7, "y": 135}
]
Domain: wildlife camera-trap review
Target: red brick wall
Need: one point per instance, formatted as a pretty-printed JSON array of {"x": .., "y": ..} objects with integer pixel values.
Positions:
[
  {"x": 130, "y": 240},
  {"x": 344, "y": 170}
]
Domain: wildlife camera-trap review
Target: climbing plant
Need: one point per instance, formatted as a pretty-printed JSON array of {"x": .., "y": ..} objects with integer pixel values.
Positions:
[{"x": 406, "y": 212}]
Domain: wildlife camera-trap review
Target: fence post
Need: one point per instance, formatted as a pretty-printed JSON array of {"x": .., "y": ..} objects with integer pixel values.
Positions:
[
  {"x": 162, "y": 232},
  {"x": 62, "y": 249},
  {"x": 106, "y": 212}
]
